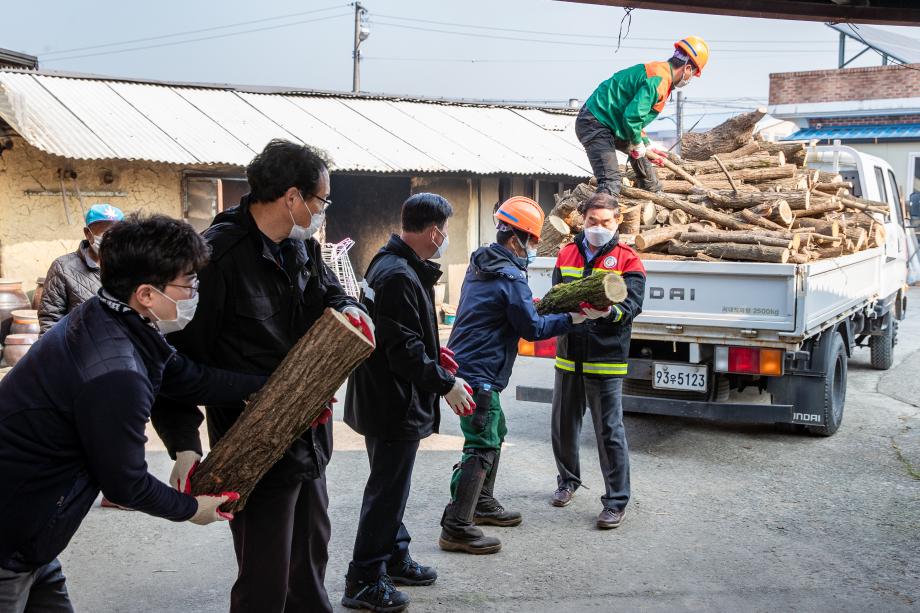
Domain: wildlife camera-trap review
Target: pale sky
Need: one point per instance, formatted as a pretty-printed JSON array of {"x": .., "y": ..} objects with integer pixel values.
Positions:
[{"x": 534, "y": 50}]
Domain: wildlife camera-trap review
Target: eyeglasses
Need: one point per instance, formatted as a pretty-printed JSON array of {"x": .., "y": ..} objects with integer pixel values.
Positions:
[
  {"x": 327, "y": 202},
  {"x": 193, "y": 288}
]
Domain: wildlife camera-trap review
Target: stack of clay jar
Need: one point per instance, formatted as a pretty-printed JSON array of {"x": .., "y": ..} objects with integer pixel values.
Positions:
[{"x": 18, "y": 323}]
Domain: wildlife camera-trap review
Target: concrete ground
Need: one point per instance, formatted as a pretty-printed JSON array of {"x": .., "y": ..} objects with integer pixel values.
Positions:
[{"x": 723, "y": 518}]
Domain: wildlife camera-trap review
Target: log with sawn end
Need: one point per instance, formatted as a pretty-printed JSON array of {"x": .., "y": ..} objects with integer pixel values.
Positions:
[
  {"x": 732, "y": 251},
  {"x": 741, "y": 237},
  {"x": 600, "y": 289},
  {"x": 695, "y": 210}
]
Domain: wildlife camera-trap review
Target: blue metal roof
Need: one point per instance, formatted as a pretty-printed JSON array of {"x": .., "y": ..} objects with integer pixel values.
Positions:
[{"x": 884, "y": 131}]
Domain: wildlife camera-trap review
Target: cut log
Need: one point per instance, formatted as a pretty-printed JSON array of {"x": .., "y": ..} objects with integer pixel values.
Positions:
[
  {"x": 795, "y": 152},
  {"x": 294, "y": 396},
  {"x": 781, "y": 213},
  {"x": 824, "y": 176},
  {"x": 695, "y": 210},
  {"x": 661, "y": 214},
  {"x": 601, "y": 289},
  {"x": 662, "y": 256},
  {"x": 648, "y": 214},
  {"x": 743, "y": 237},
  {"x": 631, "y": 220},
  {"x": 732, "y": 251},
  {"x": 678, "y": 218},
  {"x": 758, "y": 160},
  {"x": 857, "y": 237},
  {"x": 558, "y": 225},
  {"x": 647, "y": 240},
  {"x": 798, "y": 200},
  {"x": 821, "y": 226},
  {"x": 861, "y": 204},
  {"x": 876, "y": 236},
  {"x": 708, "y": 181},
  {"x": 724, "y": 138},
  {"x": 748, "y": 148},
  {"x": 798, "y": 182},
  {"x": 753, "y": 219},
  {"x": 755, "y": 175},
  {"x": 821, "y": 208}
]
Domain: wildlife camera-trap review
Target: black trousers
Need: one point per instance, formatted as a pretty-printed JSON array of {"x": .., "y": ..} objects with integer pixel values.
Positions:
[
  {"x": 571, "y": 393},
  {"x": 601, "y": 145},
  {"x": 39, "y": 591},
  {"x": 281, "y": 541},
  {"x": 382, "y": 537}
]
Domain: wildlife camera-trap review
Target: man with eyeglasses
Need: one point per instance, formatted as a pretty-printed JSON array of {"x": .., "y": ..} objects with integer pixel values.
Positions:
[
  {"x": 265, "y": 286},
  {"x": 73, "y": 412}
]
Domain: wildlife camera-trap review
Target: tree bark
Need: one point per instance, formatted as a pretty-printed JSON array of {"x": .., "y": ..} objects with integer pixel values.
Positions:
[
  {"x": 748, "y": 148},
  {"x": 647, "y": 240},
  {"x": 283, "y": 409},
  {"x": 732, "y": 251},
  {"x": 678, "y": 218},
  {"x": 700, "y": 212},
  {"x": 795, "y": 152},
  {"x": 672, "y": 186},
  {"x": 632, "y": 219},
  {"x": 744, "y": 238},
  {"x": 599, "y": 290},
  {"x": 821, "y": 226},
  {"x": 758, "y": 160},
  {"x": 755, "y": 175},
  {"x": 724, "y": 138}
]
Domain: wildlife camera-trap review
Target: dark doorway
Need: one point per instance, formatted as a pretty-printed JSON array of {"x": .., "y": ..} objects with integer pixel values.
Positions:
[{"x": 366, "y": 210}]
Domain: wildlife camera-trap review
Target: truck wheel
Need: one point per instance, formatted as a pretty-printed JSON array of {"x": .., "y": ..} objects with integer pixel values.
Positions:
[
  {"x": 834, "y": 383},
  {"x": 881, "y": 348}
]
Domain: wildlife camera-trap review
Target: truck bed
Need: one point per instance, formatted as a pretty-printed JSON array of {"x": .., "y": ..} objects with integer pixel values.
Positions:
[{"x": 765, "y": 304}]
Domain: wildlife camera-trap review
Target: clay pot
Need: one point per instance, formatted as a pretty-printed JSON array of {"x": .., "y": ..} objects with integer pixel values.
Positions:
[
  {"x": 16, "y": 346},
  {"x": 12, "y": 298},
  {"x": 25, "y": 321},
  {"x": 37, "y": 294}
]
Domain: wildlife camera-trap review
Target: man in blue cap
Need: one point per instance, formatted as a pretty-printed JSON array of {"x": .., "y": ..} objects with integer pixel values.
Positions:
[{"x": 74, "y": 278}]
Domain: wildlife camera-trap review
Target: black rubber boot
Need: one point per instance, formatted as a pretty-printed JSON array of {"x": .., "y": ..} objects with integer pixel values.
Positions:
[
  {"x": 488, "y": 510},
  {"x": 457, "y": 530}
]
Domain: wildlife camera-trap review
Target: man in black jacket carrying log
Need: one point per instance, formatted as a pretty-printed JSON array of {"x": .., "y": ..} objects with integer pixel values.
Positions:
[
  {"x": 393, "y": 399},
  {"x": 74, "y": 410},
  {"x": 265, "y": 286}
]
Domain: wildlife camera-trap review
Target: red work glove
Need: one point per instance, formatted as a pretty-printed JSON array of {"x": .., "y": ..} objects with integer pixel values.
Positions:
[
  {"x": 182, "y": 471},
  {"x": 361, "y": 321},
  {"x": 658, "y": 156},
  {"x": 326, "y": 414},
  {"x": 447, "y": 361},
  {"x": 209, "y": 508}
]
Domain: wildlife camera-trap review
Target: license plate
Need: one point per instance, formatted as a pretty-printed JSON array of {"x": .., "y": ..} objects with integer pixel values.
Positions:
[{"x": 679, "y": 377}]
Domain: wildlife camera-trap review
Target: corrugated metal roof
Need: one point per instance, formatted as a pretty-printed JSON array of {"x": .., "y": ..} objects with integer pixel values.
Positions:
[
  {"x": 895, "y": 130},
  {"x": 99, "y": 118}
]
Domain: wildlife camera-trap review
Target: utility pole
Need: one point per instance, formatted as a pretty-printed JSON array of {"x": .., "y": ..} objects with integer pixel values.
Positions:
[
  {"x": 679, "y": 119},
  {"x": 361, "y": 34}
]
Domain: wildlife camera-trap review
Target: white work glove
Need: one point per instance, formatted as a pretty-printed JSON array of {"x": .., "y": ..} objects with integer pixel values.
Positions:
[
  {"x": 637, "y": 151},
  {"x": 578, "y": 318},
  {"x": 362, "y": 321},
  {"x": 186, "y": 463},
  {"x": 592, "y": 313},
  {"x": 460, "y": 397},
  {"x": 209, "y": 508}
]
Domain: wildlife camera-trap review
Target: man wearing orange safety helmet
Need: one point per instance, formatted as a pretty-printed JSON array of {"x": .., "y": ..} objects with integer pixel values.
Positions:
[
  {"x": 496, "y": 309},
  {"x": 615, "y": 115}
]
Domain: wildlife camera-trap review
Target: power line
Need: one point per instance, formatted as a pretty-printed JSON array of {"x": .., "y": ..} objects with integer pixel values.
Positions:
[
  {"x": 581, "y": 36},
  {"x": 193, "y": 40},
  {"x": 895, "y": 61},
  {"x": 572, "y": 44},
  {"x": 198, "y": 31}
]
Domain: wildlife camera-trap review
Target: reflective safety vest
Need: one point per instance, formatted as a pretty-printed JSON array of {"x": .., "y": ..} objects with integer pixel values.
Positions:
[{"x": 599, "y": 348}]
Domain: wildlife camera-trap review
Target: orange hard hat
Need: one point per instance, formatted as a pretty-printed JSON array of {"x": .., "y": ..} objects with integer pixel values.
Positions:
[
  {"x": 697, "y": 49},
  {"x": 521, "y": 213}
]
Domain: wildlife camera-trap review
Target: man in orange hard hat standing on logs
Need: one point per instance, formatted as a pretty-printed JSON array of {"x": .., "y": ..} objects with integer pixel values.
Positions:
[{"x": 615, "y": 115}]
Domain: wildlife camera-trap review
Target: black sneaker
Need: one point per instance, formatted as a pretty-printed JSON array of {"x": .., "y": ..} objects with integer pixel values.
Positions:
[
  {"x": 380, "y": 595},
  {"x": 410, "y": 572}
]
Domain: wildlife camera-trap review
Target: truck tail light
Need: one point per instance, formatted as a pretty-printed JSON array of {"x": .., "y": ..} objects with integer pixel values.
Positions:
[
  {"x": 749, "y": 361},
  {"x": 538, "y": 349}
]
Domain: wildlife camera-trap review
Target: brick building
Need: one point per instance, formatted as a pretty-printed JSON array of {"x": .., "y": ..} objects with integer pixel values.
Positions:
[{"x": 876, "y": 109}]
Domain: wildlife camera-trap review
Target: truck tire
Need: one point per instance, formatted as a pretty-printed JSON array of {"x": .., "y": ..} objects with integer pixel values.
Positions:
[
  {"x": 881, "y": 348},
  {"x": 834, "y": 384}
]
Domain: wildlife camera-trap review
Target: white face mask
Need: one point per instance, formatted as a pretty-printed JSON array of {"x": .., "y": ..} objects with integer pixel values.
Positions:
[
  {"x": 442, "y": 248},
  {"x": 185, "y": 311},
  {"x": 301, "y": 233},
  {"x": 97, "y": 242},
  {"x": 598, "y": 235},
  {"x": 530, "y": 253},
  {"x": 683, "y": 82}
]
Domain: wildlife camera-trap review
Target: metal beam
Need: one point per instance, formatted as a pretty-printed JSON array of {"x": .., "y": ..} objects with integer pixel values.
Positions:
[{"x": 894, "y": 13}]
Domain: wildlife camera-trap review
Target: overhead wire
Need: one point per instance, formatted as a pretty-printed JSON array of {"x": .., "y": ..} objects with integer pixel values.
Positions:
[
  {"x": 197, "y": 31},
  {"x": 193, "y": 40}
]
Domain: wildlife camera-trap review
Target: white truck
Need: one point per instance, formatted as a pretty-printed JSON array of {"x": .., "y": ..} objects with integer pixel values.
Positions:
[{"x": 709, "y": 330}]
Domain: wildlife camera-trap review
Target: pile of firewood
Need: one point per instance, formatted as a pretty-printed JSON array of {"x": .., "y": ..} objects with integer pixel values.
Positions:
[{"x": 732, "y": 196}]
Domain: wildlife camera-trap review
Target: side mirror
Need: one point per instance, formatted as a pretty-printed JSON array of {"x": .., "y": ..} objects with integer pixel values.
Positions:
[{"x": 915, "y": 205}]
